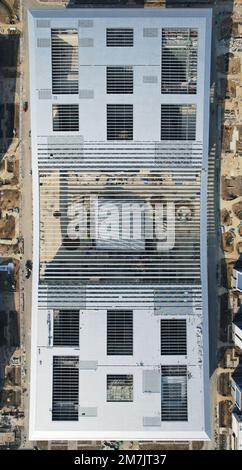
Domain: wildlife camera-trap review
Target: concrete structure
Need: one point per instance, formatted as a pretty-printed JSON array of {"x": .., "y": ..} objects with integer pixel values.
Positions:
[
  {"x": 119, "y": 118},
  {"x": 7, "y": 438}
]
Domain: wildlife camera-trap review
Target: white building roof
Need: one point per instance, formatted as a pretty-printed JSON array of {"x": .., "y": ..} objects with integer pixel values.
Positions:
[
  {"x": 237, "y": 430},
  {"x": 238, "y": 281},
  {"x": 69, "y": 167}
]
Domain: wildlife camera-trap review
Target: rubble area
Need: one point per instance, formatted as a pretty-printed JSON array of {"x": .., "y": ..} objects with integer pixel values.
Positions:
[{"x": 229, "y": 93}]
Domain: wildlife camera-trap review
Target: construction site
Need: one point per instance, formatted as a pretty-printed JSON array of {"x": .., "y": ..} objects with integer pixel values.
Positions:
[
  {"x": 224, "y": 220},
  {"x": 11, "y": 414}
]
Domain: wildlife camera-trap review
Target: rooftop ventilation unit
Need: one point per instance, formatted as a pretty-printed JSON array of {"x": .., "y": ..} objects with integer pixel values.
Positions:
[
  {"x": 120, "y": 80},
  {"x": 173, "y": 337},
  {"x": 178, "y": 122},
  {"x": 65, "y": 117},
  {"x": 119, "y": 122},
  {"x": 66, "y": 328},
  {"x": 119, "y": 37},
  {"x": 179, "y": 60},
  {"x": 174, "y": 393},
  {"x": 119, "y": 332},
  {"x": 65, "y": 398},
  {"x": 119, "y": 388},
  {"x": 64, "y": 57}
]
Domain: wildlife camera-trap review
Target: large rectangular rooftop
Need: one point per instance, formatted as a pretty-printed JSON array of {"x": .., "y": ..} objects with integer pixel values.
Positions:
[{"x": 119, "y": 120}]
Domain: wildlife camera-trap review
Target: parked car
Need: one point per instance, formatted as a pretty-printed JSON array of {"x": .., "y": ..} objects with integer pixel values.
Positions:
[
  {"x": 28, "y": 268},
  {"x": 27, "y": 273},
  {"x": 25, "y": 106},
  {"x": 29, "y": 264}
]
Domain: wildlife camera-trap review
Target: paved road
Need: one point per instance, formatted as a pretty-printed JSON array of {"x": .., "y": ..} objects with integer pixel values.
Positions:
[
  {"x": 26, "y": 215},
  {"x": 26, "y": 192}
]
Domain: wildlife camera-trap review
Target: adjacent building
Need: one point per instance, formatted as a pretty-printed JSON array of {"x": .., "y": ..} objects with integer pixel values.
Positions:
[
  {"x": 236, "y": 431},
  {"x": 236, "y": 391},
  {"x": 237, "y": 329},
  {"x": 237, "y": 275},
  {"x": 236, "y": 387},
  {"x": 119, "y": 120}
]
